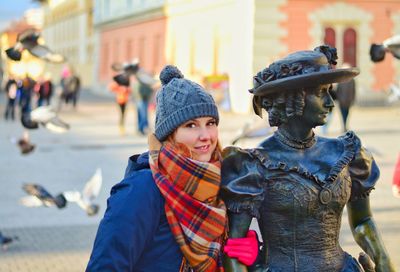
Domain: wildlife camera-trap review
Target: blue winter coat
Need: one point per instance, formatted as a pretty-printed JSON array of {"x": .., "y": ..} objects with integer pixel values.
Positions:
[{"x": 134, "y": 234}]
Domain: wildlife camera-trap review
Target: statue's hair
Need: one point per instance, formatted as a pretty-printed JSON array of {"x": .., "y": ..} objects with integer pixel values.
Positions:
[{"x": 283, "y": 106}]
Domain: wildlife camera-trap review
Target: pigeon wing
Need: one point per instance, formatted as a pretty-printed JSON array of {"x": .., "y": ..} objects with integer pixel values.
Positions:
[
  {"x": 57, "y": 125},
  {"x": 145, "y": 77},
  {"x": 131, "y": 69},
  {"x": 117, "y": 67},
  {"x": 392, "y": 45},
  {"x": 93, "y": 186},
  {"x": 40, "y": 192},
  {"x": 43, "y": 114},
  {"x": 37, "y": 190},
  {"x": 30, "y": 201},
  {"x": 43, "y": 52},
  {"x": 392, "y": 42},
  {"x": 122, "y": 79},
  {"x": 72, "y": 196},
  {"x": 28, "y": 36}
]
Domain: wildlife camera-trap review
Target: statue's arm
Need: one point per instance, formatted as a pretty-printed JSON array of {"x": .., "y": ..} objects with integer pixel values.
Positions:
[
  {"x": 239, "y": 224},
  {"x": 367, "y": 235}
]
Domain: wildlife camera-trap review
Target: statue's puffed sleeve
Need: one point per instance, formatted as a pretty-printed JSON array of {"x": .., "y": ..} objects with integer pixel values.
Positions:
[
  {"x": 242, "y": 186},
  {"x": 364, "y": 171}
]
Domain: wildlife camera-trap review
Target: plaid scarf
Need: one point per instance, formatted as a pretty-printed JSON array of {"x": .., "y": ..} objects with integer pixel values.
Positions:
[{"x": 196, "y": 217}]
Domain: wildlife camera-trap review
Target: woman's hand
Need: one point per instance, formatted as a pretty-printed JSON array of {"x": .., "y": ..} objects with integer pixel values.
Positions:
[{"x": 244, "y": 249}]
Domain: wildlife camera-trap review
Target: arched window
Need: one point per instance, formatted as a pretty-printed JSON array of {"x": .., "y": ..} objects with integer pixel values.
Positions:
[
  {"x": 330, "y": 37},
  {"x": 350, "y": 46}
]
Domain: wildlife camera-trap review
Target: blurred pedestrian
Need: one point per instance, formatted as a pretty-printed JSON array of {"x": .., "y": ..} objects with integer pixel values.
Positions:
[
  {"x": 45, "y": 91},
  {"x": 345, "y": 95},
  {"x": 145, "y": 94},
  {"x": 122, "y": 94},
  {"x": 11, "y": 89},
  {"x": 26, "y": 91},
  {"x": 71, "y": 85}
]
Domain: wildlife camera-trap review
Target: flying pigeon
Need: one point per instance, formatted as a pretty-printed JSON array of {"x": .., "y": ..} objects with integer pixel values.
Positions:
[
  {"x": 25, "y": 146},
  {"x": 39, "y": 196},
  {"x": 29, "y": 40},
  {"x": 46, "y": 116},
  {"x": 5, "y": 241},
  {"x": 377, "y": 51},
  {"x": 129, "y": 69},
  {"x": 23, "y": 143},
  {"x": 89, "y": 193}
]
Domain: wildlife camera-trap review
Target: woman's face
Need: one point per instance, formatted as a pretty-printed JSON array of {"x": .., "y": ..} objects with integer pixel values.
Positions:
[
  {"x": 200, "y": 135},
  {"x": 318, "y": 104}
]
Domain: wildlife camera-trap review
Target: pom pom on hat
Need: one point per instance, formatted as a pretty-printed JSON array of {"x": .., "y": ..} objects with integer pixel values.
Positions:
[{"x": 168, "y": 73}]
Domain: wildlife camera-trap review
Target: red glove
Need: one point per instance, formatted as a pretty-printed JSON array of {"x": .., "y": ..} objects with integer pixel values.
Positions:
[{"x": 244, "y": 249}]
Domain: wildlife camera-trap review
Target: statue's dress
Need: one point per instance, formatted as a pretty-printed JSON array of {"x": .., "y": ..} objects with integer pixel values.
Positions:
[{"x": 298, "y": 196}]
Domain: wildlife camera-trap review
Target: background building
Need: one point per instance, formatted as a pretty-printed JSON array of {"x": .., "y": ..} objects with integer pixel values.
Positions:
[
  {"x": 68, "y": 30},
  {"x": 126, "y": 30},
  {"x": 223, "y": 43},
  {"x": 28, "y": 65}
]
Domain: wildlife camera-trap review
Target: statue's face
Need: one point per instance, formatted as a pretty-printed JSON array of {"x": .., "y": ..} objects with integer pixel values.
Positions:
[{"x": 318, "y": 104}]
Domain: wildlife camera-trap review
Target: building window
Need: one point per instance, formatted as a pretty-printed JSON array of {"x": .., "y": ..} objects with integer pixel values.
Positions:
[
  {"x": 349, "y": 47},
  {"x": 330, "y": 37}
]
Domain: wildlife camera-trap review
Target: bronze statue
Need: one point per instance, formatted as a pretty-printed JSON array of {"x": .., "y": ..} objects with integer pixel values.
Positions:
[{"x": 296, "y": 183}]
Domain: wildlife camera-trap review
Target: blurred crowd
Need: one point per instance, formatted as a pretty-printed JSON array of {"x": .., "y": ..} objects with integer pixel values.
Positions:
[{"x": 25, "y": 93}]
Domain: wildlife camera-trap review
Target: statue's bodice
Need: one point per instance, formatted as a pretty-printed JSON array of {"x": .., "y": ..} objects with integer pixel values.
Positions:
[
  {"x": 298, "y": 197},
  {"x": 297, "y": 228}
]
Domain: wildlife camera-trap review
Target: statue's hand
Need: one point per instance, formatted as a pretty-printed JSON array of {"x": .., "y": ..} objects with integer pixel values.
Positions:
[
  {"x": 244, "y": 249},
  {"x": 366, "y": 262}
]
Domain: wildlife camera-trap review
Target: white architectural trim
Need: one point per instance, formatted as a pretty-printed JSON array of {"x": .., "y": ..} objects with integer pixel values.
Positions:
[
  {"x": 396, "y": 31},
  {"x": 342, "y": 15}
]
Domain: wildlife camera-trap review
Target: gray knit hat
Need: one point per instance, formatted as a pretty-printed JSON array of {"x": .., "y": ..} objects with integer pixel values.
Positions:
[{"x": 180, "y": 100}]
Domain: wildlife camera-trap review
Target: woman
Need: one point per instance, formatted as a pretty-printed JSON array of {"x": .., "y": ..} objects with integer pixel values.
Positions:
[
  {"x": 122, "y": 94},
  {"x": 297, "y": 183},
  {"x": 165, "y": 214}
]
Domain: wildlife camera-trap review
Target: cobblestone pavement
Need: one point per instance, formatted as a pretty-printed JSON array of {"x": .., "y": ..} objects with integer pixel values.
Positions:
[
  {"x": 48, "y": 249},
  {"x": 61, "y": 240}
]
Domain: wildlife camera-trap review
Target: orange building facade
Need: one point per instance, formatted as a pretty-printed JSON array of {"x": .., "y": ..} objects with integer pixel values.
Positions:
[
  {"x": 122, "y": 43},
  {"x": 236, "y": 39},
  {"x": 351, "y": 26}
]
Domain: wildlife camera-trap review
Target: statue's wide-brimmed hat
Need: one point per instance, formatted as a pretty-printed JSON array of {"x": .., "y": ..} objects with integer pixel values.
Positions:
[{"x": 302, "y": 69}]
